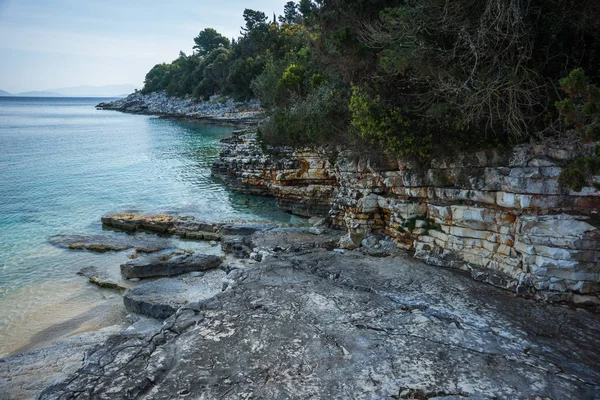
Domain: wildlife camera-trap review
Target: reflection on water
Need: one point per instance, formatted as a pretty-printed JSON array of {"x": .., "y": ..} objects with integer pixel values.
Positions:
[{"x": 64, "y": 164}]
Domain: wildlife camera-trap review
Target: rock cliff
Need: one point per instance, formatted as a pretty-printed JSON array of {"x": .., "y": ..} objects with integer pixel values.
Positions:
[
  {"x": 302, "y": 181},
  {"x": 502, "y": 217}
]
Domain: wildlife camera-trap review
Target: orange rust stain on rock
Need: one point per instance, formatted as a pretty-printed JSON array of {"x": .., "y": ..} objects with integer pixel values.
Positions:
[
  {"x": 508, "y": 217},
  {"x": 303, "y": 167}
]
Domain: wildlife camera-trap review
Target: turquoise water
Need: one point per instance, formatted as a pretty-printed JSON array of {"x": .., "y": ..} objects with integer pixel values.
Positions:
[{"x": 64, "y": 164}]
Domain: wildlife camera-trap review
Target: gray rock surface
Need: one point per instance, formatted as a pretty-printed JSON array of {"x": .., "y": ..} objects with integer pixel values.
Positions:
[
  {"x": 101, "y": 243},
  {"x": 25, "y": 376},
  {"x": 161, "y": 298},
  {"x": 168, "y": 264},
  {"x": 244, "y": 228},
  {"x": 324, "y": 325}
]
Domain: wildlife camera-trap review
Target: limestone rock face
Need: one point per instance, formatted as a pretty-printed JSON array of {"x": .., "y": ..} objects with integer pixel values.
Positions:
[
  {"x": 302, "y": 181},
  {"x": 501, "y": 217}
]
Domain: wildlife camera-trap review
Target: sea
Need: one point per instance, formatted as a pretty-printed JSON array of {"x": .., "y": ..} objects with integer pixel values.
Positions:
[{"x": 63, "y": 165}]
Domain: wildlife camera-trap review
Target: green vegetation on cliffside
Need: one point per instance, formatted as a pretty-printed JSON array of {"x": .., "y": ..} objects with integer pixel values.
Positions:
[{"x": 409, "y": 77}]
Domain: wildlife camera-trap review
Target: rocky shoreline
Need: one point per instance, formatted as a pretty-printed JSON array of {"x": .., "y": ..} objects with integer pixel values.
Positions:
[
  {"x": 295, "y": 316},
  {"x": 216, "y": 110},
  {"x": 504, "y": 218},
  {"x": 287, "y": 312}
]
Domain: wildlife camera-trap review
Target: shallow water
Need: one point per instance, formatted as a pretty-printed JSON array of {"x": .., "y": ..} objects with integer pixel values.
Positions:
[{"x": 64, "y": 164}]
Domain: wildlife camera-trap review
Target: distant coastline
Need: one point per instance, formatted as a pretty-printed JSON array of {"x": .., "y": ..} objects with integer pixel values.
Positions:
[
  {"x": 218, "y": 110},
  {"x": 108, "y": 91}
]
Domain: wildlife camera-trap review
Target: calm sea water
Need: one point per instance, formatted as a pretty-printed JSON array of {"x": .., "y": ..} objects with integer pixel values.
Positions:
[{"x": 64, "y": 164}]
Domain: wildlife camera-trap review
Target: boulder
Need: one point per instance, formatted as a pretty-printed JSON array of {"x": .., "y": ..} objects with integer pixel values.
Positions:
[
  {"x": 103, "y": 279},
  {"x": 168, "y": 264},
  {"x": 351, "y": 241}
]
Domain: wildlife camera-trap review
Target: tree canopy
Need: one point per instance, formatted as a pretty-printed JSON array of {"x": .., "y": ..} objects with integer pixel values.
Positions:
[
  {"x": 209, "y": 40},
  {"x": 407, "y": 77}
]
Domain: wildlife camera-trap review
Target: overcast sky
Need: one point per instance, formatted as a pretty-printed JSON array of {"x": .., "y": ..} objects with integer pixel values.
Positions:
[{"x": 56, "y": 43}]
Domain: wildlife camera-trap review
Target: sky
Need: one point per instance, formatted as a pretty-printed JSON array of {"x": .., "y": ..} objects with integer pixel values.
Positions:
[{"x": 47, "y": 44}]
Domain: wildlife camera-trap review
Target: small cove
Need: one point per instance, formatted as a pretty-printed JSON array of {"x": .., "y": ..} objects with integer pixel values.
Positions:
[{"x": 63, "y": 165}]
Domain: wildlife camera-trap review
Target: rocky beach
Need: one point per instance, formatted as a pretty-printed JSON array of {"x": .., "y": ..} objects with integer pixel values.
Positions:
[
  {"x": 288, "y": 314},
  {"x": 477, "y": 278}
]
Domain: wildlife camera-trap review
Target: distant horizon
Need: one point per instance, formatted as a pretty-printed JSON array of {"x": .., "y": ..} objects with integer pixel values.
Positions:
[
  {"x": 60, "y": 97},
  {"x": 72, "y": 43},
  {"x": 76, "y": 91}
]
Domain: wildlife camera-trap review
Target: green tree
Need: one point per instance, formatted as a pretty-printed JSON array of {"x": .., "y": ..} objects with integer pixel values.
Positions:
[
  {"x": 581, "y": 108},
  {"x": 290, "y": 13},
  {"x": 254, "y": 20},
  {"x": 208, "y": 40},
  {"x": 306, "y": 8}
]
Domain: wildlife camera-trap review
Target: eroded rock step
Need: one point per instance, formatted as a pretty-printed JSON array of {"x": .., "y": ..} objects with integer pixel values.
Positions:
[
  {"x": 161, "y": 298},
  {"x": 168, "y": 264},
  {"x": 183, "y": 226}
]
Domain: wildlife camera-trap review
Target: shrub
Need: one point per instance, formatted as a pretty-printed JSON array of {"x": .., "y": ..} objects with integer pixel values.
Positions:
[
  {"x": 581, "y": 109},
  {"x": 385, "y": 126},
  {"x": 579, "y": 171}
]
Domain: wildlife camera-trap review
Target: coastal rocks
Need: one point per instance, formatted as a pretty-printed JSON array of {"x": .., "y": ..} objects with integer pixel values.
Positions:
[
  {"x": 168, "y": 264},
  {"x": 184, "y": 227},
  {"x": 24, "y": 376},
  {"x": 319, "y": 324},
  {"x": 238, "y": 246},
  {"x": 351, "y": 240},
  {"x": 302, "y": 181},
  {"x": 501, "y": 217},
  {"x": 244, "y": 229},
  {"x": 103, "y": 279},
  {"x": 265, "y": 243},
  {"x": 161, "y": 298},
  {"x": 102, "y": 243},
  {"x": 217, "y": 109}
]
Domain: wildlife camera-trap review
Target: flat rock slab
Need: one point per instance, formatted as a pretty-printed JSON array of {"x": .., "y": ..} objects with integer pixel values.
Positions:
[
  {"x": 185, "y": 227},
  {"x": 317, "y": 324},
  {"x": 161, "y": 298},
  {"x": 244, "y": 228},
  {"x": 276, "y": 240},
  {"x": 295, "y": 239},
  {"x": 101, "y": 243},
  {"x": 103, "y": 279},
  {"x": 168, "y": 264}
]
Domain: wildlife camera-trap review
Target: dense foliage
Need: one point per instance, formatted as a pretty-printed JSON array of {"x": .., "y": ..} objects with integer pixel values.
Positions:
[{"x": 410, "y": 76}]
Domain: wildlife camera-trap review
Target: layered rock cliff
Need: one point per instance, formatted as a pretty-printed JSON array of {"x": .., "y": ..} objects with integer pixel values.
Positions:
[
  {"x": 302, "y": 181},
  {"x": 504, "y": 218}
]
